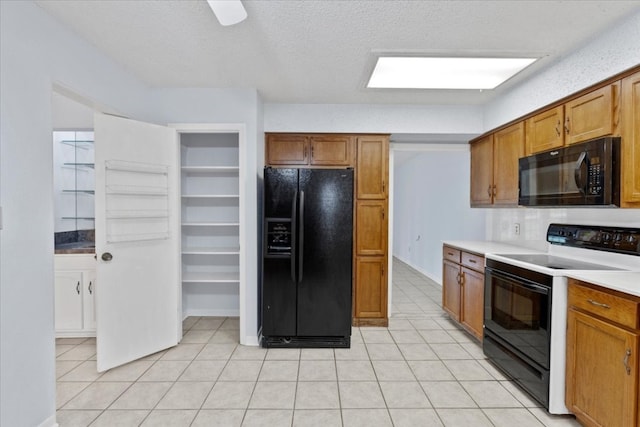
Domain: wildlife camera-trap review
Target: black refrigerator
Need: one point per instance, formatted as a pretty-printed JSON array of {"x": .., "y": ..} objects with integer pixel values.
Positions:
[{"x": 307, "y": 257}]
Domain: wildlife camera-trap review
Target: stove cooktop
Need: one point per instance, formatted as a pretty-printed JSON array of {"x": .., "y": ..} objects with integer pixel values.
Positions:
[{"x": 557, "y": 263}]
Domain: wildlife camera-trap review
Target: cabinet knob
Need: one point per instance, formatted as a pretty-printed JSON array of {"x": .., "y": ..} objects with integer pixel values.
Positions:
[{"x": 106, "y": 256}]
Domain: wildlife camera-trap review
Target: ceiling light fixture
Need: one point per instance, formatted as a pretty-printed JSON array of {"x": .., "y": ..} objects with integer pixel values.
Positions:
[
  {"x": 228, "y": 12},
  {"x": 444, "y": 73}
]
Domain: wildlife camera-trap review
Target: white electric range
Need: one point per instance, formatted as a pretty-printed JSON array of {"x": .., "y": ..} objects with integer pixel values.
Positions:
[{"x": 526, "y": 303}]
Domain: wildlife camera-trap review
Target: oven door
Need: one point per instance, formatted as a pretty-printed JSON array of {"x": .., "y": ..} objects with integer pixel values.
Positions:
[{"x": 518, "y": 313}]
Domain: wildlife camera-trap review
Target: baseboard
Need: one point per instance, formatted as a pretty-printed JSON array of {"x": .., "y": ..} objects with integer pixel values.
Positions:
[
  {"x": 210, "y": 313},
  {"x": 438, "y": 280},
  {"x": 77, "y": 334},
  {"x": 49, "y": 422},
  {"x": 251, "y": 341}
]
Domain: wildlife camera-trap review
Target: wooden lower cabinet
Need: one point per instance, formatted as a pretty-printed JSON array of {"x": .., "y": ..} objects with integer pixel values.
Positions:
[
  {"x": 370, "y": 293},
  {"x": 451, "y": 289},
  {"x": 472, "y": 303},
  {"x": 463, "y": 288},
  {"x": 602, "y": 357}
]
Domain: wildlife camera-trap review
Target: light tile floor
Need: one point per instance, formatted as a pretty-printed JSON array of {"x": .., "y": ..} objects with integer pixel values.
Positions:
[{"x": 421, "y": 371}]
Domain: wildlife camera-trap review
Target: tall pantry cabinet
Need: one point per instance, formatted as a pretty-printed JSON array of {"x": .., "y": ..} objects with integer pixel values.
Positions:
[{"x": 211, "y": 206}]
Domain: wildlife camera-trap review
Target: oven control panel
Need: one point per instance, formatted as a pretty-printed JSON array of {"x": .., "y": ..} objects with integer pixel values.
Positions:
[{"x": 623, "y": 240}]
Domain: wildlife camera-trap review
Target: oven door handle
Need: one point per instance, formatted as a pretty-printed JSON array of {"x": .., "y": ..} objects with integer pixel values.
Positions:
[{"x": 536, "y": 288}]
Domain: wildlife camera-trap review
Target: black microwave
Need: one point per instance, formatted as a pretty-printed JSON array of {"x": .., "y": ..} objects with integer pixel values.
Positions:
[{"x": 585, "y": 174}]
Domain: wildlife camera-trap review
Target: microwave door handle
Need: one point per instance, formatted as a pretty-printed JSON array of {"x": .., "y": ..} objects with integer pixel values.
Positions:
[{"x": 579, "y": 177}]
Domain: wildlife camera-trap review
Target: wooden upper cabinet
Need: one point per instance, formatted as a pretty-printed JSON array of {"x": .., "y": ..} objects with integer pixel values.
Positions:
[
  {"x": 309, "y": 150},
  {"x": 545, "y": 131},
  {"x": 285, "y": 149},
  {"x": 630, "y": 132},
  {"x": 592, "y": 115},
  {"x": 482, "y": 171},
  {"x": 508, "y": 147},
  {"x": 371, "y": 233},
  {"x": 589, "y": 116},
  {"x": 331, "y": 150},
  {"x": 372, "y": 166}
]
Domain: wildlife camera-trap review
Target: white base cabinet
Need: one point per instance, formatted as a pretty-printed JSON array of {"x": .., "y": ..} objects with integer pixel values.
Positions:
[{"x": 75, "y": 286}]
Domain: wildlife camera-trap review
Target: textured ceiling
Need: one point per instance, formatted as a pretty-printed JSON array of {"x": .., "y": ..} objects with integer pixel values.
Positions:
[{"x": 300, "y": 51}]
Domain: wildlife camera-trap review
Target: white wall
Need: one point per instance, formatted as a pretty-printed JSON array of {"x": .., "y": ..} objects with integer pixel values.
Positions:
[
  {"x": 431, "y": 204},
  {"x": 610, "y": 53},
  {"x": 35, "y": 52},
  {"x": 355, "y": 118}
]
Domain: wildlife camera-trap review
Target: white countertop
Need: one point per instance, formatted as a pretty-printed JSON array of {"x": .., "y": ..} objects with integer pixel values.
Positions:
[
  {"x": 623, "y": 281},
  {"x": 485, "y": 247}
]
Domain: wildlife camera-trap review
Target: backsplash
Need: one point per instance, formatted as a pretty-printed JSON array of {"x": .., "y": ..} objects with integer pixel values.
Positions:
[
  {"x": 63, "y": 237},
  {"x": 533, "y": 223}
]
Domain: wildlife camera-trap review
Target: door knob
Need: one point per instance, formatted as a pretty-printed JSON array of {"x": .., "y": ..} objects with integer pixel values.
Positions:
[{"x": 106, "y": 256}]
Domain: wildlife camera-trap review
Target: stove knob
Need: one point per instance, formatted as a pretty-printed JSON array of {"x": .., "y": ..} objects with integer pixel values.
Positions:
[
  {"x": 631, "y": 238},
  {"x": 606, "y": 236}
]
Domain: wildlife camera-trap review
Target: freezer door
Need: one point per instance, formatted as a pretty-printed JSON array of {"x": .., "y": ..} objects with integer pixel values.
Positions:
[
  {"x": 325, "y": 240},
  {"x": 278, "y": 280}
]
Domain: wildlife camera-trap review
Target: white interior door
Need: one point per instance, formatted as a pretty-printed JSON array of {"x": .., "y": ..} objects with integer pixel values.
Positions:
[{"x": 137, "y": 292}]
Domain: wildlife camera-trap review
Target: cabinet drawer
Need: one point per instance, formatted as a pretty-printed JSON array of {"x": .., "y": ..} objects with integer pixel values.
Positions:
[
  {"x": 451, "y": 254},
  {"x": 473, "y": 261},
  {"x": 603, "y": 303}
]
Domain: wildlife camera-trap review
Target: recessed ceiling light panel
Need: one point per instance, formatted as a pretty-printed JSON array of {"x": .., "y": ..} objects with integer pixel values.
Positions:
[
  {"x": 444, "y": 73},
  {"x": 228, "y": 12}
]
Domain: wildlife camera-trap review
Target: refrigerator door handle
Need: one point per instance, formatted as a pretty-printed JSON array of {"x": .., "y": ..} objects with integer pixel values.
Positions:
[
  {"x": 294, "y": 238},
  {"x": 301, "y": 249}
]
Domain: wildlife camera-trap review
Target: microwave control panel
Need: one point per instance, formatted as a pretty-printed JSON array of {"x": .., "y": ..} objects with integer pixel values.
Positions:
[{"x": 595, "y": 177}]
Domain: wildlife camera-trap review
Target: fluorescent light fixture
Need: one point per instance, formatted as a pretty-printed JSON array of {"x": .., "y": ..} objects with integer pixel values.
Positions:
[
  {"x": 444, "y": 73},
  {"x": 228, "y": 12}
]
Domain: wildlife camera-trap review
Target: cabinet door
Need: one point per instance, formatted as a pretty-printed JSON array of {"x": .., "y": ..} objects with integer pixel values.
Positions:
[
  {"x": 371, "y": 232},
  {"x": 590, "y": 116},
  {"x": 68, "y": 301},
  {"x": 371, "y": 287},
  {"x": 287, "y": 150},
  {"x": 482, "y": 172},
  {"x": 630, "y": 120},
  {"x": 88, "y": 300},
  {"x": 508, "y": 147},
  {"x": 545, "y": 131},
  {"x": 600, "y": 390},
  {"x": 471, "y": 314},
  {"x": 331, "y": 150},
  {"x": 451, "y": 289},
  {"x": 372, "y": 167}
]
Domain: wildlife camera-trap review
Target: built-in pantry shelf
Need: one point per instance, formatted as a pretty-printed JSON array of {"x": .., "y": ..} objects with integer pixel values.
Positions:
[
  {"x": 211, "y": 250},
  {"x": 207, "y": 278}
]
